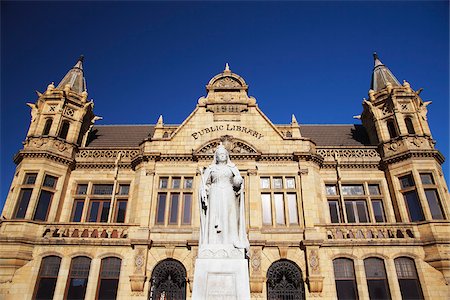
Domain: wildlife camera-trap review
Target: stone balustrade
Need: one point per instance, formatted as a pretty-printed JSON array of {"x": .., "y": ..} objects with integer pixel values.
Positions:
[
  {"x": 371, "y": 231},
  {"x": 85, "y": 231}
]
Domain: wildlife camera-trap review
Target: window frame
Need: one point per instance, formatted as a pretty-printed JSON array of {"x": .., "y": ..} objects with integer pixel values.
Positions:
[
  {"x": 99, "y": 277},
  {"x": 69, "y": 275},
  {"x": 285, "y": 191},
  {"x": 411, "y": 188},
  {"x": 367, "y": 197},
  {"x": 416, "y": 278},
  {"x": 433, "y": 186},
  {"x": 47, "y": 189},
  {"x": 384, "y": 278},
  {"x": 39, "y": 276},
  {"x": 165, "y": 186}
]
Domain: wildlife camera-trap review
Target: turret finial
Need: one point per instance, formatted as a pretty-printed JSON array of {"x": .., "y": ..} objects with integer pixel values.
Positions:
[
  {"x": 375, "y": 56},
  {"x": 81, "y": 58},
  {"x": 227, "y": 67}
]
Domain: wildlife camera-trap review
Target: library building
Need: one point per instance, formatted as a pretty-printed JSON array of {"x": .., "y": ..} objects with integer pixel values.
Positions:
[{"x": 356, "y": 211}]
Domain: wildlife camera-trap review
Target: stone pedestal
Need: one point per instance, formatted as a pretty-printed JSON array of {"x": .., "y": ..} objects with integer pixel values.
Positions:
[{"x": 221, "y": 272}]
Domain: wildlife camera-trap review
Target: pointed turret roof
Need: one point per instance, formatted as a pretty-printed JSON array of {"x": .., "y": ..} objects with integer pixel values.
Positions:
[
  {"x": 381, "y": 75},
  {"x": 74, "y": 78}
]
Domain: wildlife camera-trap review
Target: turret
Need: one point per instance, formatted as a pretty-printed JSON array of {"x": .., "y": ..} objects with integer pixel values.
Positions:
[
  {"x": 62, "y": 114},
  {"x": 395, "y": 115}
]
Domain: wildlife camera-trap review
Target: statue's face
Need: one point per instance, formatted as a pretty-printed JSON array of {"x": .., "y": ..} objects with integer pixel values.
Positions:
[{"x": 221, "y": 156}]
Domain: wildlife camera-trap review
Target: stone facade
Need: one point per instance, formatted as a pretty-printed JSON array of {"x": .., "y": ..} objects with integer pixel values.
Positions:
[{"x": 313, "y": 194}]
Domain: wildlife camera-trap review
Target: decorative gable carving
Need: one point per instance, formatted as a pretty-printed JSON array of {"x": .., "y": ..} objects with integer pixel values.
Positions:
[
  {"x": 227, "y": 82},
  {"x": 234, "y": 146}
]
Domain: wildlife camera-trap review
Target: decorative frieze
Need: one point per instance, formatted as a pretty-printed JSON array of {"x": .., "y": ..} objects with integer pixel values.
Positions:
[
  {"x": 85, "y": 231},
  {"x": 369, "y": 231},
  {"x": 106, "y": 154}
]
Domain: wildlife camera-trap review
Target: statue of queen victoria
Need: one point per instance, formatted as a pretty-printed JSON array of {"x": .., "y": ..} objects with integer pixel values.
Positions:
[{"x": 221, "y": 194}]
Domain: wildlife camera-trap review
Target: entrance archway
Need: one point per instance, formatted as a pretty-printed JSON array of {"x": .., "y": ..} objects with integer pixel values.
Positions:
[
  {"x": 168, "y": 281},
  {"x": 285, "y": 281}
]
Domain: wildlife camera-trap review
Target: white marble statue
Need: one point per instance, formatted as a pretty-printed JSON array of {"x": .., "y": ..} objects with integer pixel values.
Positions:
[{"x": 221, "y": 194}]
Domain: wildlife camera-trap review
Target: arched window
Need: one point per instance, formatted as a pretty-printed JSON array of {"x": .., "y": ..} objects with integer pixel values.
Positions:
[
  {"x": 78, "y": 278},
  {"x": 285, "y": 281},
  {"x": 344, "y": 276},
  {"x": 108, "y": 281},
  {"x": 407, "y": 278},
  {"x": 64, "y": 129},
  {"x": 376, "y": 279},
  {"x": 47, "y": 126},
  {"x": 391, "y": 128},
  {"x": 168, "y": 281},
  {"x": 46, "y": 281},
  {"x": 409, "y": 125}
]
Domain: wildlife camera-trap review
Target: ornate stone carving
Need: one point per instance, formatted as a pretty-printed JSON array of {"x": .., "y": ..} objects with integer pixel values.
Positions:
[
  {"x": 387, "y": 231},
  {"x": 348, "y": 153},
  {"x": 107, "y": 154},
  {"x": 314, "y": 260},
  {"x": 69, "y": 112},
  {"x": 227, "y": 82},
  {"x": 255, "y": 260},
  {"x": 38, "y": 143},
  {"x": 233, "y": 146}
]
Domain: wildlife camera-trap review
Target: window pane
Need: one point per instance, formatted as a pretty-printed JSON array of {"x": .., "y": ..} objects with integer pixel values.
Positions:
[
  {"x": 108, "y": 289},
  {"x": 330, "y": 190},
  {"x": 414, "y": 208},
  {"x": 277, "y": 183},
  {"x": 24, "y": 200},
  {"x": 374, "y": 189},
  {"x": 110, "y": 268},
  {"x": 361, "y": 208},
  {"x": 50, "y": 181},
  {"x": 292, "y": 206},
  {"x": 48, "y": 125},
  {"x": 290, "y": 183},
  {"x": 350, "y": 212},
  {"x": 161, "y": 208},
  {"x": 82, "y": 189},
  {"x": 109, "y": 278},
  {"x": 48, "y": 274},
  {"x": 407, "y": 278},
  {"x": 279, "y": 208},
  {"x": 378, "y": 210},
  {"x": 105, "y": 212},
  {"x": 43, "y": 206},
  {"x": 409, "y": 126},
  {"x": 30, "y": 178},
  {"x": 188, "y": 182},
  {"x": 265, "y": 183},
  {"x": 176, "y": 182},
  {"x": 406, "y": 181},
  {"x": 124, "y": 189},
  {"x": 344, "y": 275},
  {"x": 121, "y": 211},
  {"x": 187, "y": 208},
  {"x": 163, "y": 182},
  {"x": 46, "y": 288},
  {"x": 174, "y": 208},
  {"x": 426, "y": 178},
  {"x": 93, "y": 211},
  {"x": 334, "y": 211},
  {"x": 78, "y": 278},
  {"x": 77, "y": 210},
  {"x": 64, "y": 130},
  {"x": 352, "y": 190},
  {"x": 77, "y": 288},
  {"x": 102, "y": 189},
  {"x": 435, "y": 205},
  {"x": 266, "y": 209},
  {"x": 378, "y": 289}
]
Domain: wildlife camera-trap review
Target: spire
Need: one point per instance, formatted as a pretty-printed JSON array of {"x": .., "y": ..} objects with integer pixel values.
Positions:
[
  {"x": 381, "y": 75},
  {"x": 227, "y": 68},
  {"x": 74, "y": 78}
]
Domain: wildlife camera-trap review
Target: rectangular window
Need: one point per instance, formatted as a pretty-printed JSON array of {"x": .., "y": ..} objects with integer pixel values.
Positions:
[
  {"x": 174, "y": 202},
  {"x": 266, "y": 209},
  {"x": 187, "y": 208},
  {"x": 378, "y": 211},
  {"x": 334, "y": 211},
  {"x": 124, "y": 189},
  {"x": 24, "y": 200},
  {"x": 374, "y": 189},
  {"x": 77, "y": 210},
  {"x": 413, "y": 205},
  {"x": 279, "y": 201},
  {"x": 434, "y": 204},
  {"x": 279, "y": 209},
  {"x": 82, "y": 189},
  {"x": 356, "y": 211},
  {"x": 43, "y": 206},
  {"x": 99, "y": 211},
  {"x": 352, "y": 190},
  {"x": 161, "y": 208},
  {"x": 426, "y": 178},
  {"x": 173, "y": 219},
  {"x": 121, "y": 209},
  {"x": 406, "y": 181},
  {"x": 30, "y": 178},
  {"x": 50, "y": 181},
  {"x": 102, "y": 189},
  {"x": 330, "y": 190}
]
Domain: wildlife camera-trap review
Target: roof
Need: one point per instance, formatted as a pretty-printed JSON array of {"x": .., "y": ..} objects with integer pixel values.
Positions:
[
  {"x": 103, "y": 136},
  {"x": 336, "y": 135},
  {"x": 118, "y": 135}
]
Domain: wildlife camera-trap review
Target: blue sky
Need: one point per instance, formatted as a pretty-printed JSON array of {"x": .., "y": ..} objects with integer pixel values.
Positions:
[{"x": 143, "y": 59}]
